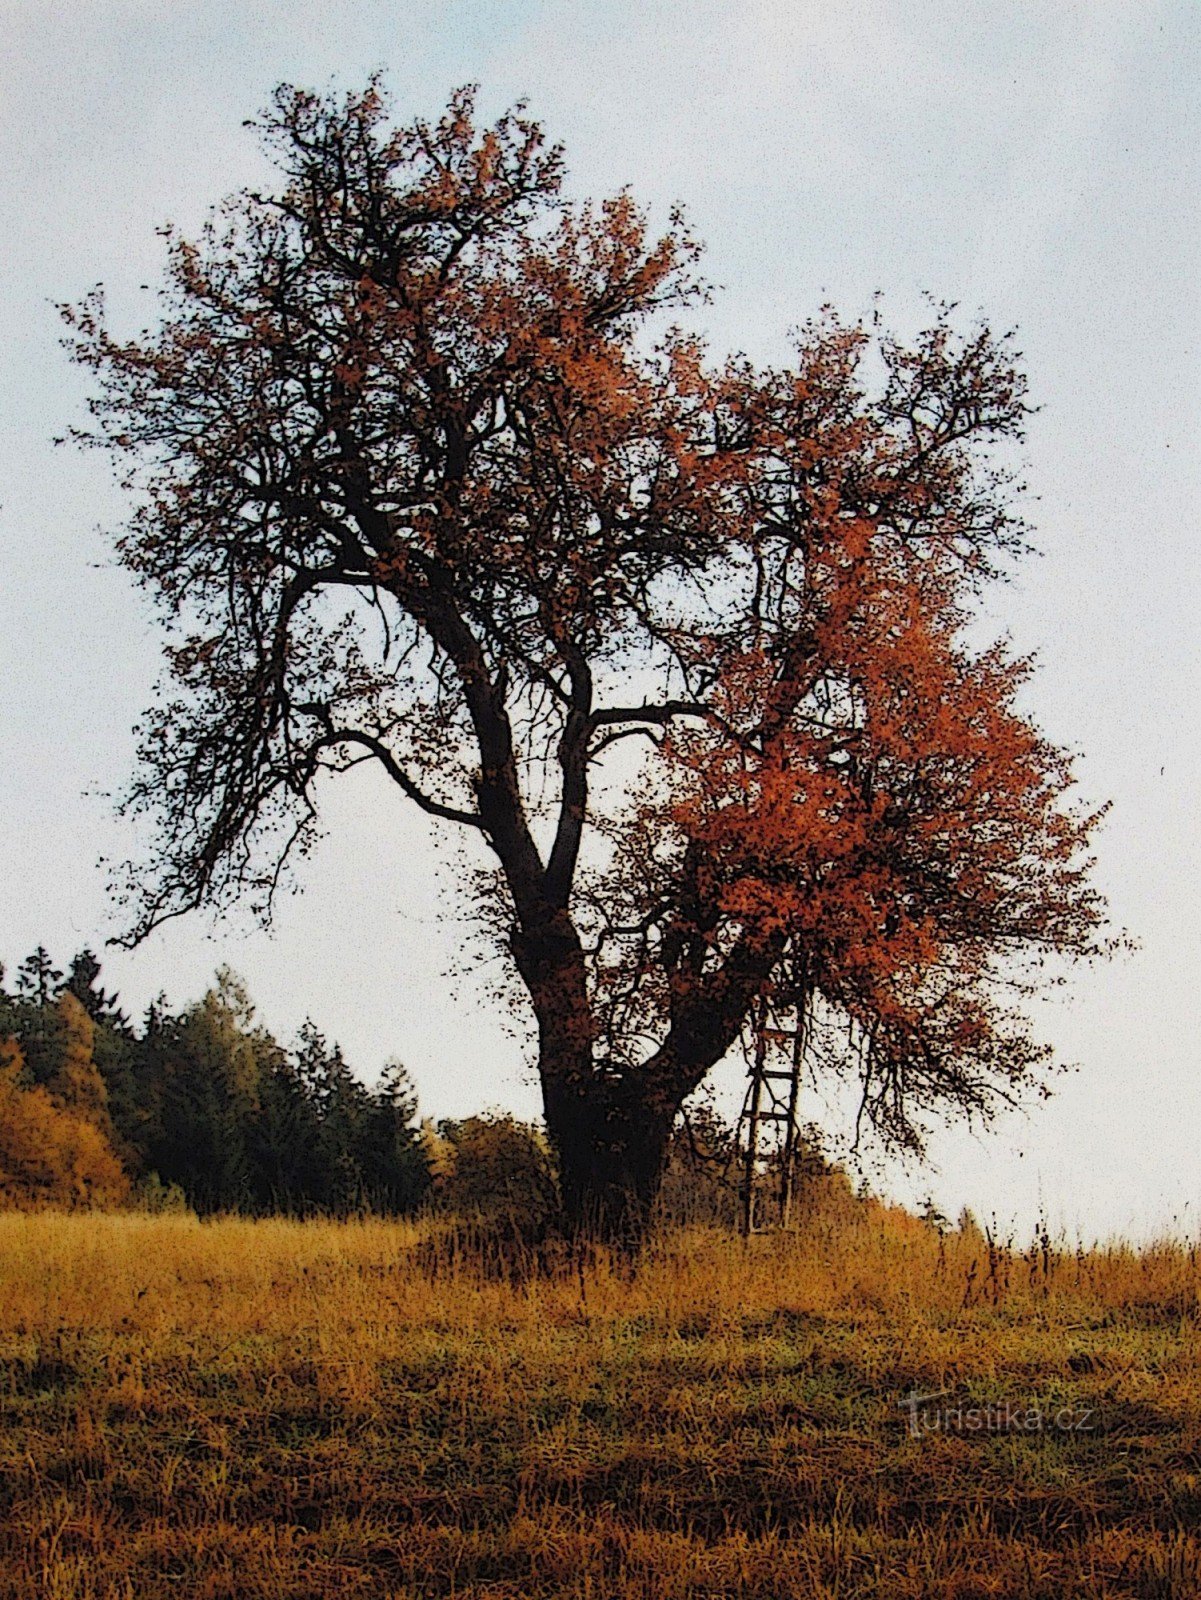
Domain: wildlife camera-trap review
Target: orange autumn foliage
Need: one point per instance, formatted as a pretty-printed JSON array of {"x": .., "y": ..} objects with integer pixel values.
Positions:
[
  {"x": 54, "y": 1140},
  {"x": 861, "y": 795}
]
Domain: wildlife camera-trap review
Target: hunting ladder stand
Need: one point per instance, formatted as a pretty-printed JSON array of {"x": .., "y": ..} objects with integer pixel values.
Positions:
[{"x": 777, "y": 1058}]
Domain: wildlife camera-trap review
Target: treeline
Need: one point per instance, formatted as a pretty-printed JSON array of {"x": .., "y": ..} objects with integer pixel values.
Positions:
[
  {"x": 199, "y": 1107},
  {"x": 203, "y": 1109}
]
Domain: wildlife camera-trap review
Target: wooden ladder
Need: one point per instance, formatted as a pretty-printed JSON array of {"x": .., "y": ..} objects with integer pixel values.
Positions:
[{"x": 772, "y": 1098}]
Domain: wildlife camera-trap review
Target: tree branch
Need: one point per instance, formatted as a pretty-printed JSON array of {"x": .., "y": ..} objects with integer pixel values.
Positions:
[
  {"x": 660, "y": 714},
  {"x": 436, "y": 808}
]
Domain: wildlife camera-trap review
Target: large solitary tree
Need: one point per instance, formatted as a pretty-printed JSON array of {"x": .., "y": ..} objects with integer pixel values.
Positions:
[{"x": 424, "y": 476}]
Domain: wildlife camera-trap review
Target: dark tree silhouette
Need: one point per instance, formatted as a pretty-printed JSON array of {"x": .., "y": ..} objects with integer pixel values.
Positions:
[{"x": 424, "y": 480}]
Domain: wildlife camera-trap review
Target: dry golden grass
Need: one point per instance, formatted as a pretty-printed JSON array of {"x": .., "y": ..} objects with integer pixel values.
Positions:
[{"x": 274, "y": 1409}]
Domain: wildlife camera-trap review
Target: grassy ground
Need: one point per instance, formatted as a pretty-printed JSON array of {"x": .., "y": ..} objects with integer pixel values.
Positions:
[{"x": 280, "y": 1410}]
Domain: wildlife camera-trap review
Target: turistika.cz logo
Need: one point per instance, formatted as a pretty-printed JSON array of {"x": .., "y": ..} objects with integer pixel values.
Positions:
[{"x": 938, "y": 1413}]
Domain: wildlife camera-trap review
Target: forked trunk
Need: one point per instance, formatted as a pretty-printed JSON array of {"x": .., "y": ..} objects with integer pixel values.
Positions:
[{"x": 611, "y": 1135}]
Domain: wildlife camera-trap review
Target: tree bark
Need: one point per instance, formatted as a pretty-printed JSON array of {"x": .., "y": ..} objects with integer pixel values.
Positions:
[
  {"x": 612, "y": 1145},
  {"x": 610, "y": 1135}
]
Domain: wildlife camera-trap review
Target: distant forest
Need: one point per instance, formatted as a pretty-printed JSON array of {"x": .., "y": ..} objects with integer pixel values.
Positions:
[{"x": 200, "y": 1107}]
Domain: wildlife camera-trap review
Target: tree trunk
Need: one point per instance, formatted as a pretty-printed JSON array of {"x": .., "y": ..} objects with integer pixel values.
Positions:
[
  {"x": 611, "y": 1137},
  {"x": 612, "y": 1143}
]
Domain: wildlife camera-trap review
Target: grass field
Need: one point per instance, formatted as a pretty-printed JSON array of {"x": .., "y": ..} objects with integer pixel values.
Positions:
[{"x": 274, "y": 1409}]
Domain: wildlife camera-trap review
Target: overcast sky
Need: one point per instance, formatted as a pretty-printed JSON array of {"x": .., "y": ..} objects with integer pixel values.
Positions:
[{"x": 1038, "y": 161}]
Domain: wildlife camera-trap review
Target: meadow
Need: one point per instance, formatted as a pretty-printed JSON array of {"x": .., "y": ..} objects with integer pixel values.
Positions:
[{"x": 281, "y": 1410}]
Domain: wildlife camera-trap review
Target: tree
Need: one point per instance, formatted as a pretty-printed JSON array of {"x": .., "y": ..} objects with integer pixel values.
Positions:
[
  {"x": 76, "y": 1084},
  {"x": 288, "y": 1162},
  {"x": 38, "y": 978},
  {"x": 64, "y": 1049},
  {"x": 207, "y": 1066},
  {"x": 343, "y": 1108},
  {"x": 366, "y": 1140},
  {"x": 424, "y": 480},
  {"x": 203, "y": 1103},
  {"x": 49, "y": 1151},
  {"x": 499, "y": 1172},
  {"x": 82, "y": 982},
  {"x": 395, "y": 1174}
]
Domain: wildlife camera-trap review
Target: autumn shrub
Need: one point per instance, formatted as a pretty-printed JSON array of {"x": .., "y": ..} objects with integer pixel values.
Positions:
[{"x": 495, "y": 1197}]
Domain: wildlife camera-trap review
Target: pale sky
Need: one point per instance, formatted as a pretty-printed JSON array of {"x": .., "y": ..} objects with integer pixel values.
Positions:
[{"x": 1039, "y": 161}]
